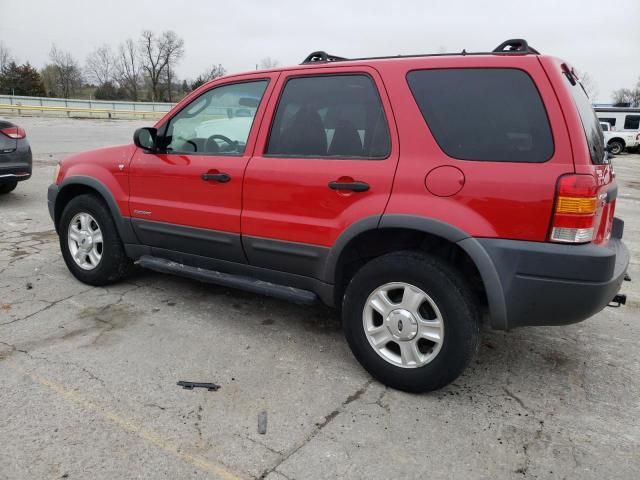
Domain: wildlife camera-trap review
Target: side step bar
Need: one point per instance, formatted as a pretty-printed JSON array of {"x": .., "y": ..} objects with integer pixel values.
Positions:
[{"x": 290, "y": 294}]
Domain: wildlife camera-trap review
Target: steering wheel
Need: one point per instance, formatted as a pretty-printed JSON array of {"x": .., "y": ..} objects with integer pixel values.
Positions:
[
  {"x": 189, "y": 142},
  {"x": 211, "y": 141}
]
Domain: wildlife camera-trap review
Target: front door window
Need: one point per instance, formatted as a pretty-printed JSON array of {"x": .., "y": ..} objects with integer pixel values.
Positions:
[{"x": 216, "y": 123}]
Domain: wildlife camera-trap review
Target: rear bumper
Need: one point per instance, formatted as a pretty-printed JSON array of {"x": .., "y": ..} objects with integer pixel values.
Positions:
[
  {"x": 15, "y": 166},
  {"x": 13, "y": 175},
  {"x": 555, "y": 284}
]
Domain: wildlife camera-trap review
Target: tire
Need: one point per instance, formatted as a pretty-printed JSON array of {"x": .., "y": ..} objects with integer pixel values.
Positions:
[
  {"x": 113, "y": 264},
  {"x": 616, "y": 147},
  {"x": 448, "y": 297},
  {"x": 8, "y": 187}
]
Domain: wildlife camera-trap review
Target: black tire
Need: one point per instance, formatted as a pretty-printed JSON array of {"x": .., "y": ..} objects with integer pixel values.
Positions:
[
  {"x": 8, "y": 187},
  {"x": 616, "y": 147},
  {"x": 446, "y": 287},
  {"x": 114, "y": 264}
]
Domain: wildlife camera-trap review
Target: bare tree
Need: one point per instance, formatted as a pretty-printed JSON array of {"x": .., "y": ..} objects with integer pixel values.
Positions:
[
  {"x": 213, "y": 72},
  {"x": 173, "y": 47},
  {"x": 159, "y": 54},
  {"x": 268, "y": 62},
  {"x": 629, "y": 96},
  {"x": 589, "y": 85},
  {"x": 49, "y": 76},
  {"x": 100, "y": 65},
  {"x": 68, "y": 75},
  {"x": 5, "y": 57},
  {"x": 153, "y": 60},
  {"x": 128, "y": 68}
]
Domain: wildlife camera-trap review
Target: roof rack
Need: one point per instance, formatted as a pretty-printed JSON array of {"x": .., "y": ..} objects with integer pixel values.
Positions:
[
  {"x": 512, "y": 46},
  {"x": 321, "y": 56},
  {"x": 515, "y": 45}
]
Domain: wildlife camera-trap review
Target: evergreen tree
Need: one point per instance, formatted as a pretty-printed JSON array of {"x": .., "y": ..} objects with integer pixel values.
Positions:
[{"x": 21, "y": 80}]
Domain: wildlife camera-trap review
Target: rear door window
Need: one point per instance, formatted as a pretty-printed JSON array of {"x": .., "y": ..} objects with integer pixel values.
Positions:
[
  {"x": 330, "y": 116},
  {"x": 491, "y": 114}
]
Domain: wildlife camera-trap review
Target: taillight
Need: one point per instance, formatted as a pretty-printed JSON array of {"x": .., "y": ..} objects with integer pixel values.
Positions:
[
  {"x": 14, "y": 132},
  {"x": 575, "y": 209}
]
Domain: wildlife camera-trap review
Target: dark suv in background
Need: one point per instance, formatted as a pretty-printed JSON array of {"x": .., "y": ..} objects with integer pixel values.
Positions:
[{"x": 15, "y": 156}]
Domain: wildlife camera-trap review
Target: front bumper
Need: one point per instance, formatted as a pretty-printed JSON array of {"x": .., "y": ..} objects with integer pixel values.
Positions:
[
  {"x": 556, "y": 284},
  {"x": 52, "y": 194}
]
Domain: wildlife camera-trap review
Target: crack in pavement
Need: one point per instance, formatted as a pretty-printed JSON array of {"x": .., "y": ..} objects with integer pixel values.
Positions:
[
  {"x": 51, "y": 304},
  {"x": 327, "y": 420},
  {"x": 516, "y": 398},
  {"x": 14, "y": 348}
]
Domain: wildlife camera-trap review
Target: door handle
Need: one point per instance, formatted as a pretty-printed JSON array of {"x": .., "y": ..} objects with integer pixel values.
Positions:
[
  {"x": 354, "y": 186},
  {"x": 216, "y": 177}
]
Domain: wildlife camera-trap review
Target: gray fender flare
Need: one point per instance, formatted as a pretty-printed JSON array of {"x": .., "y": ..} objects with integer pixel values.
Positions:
[
  {"x": 123, "y": 224},
  {"x": 473, "y": 248}
]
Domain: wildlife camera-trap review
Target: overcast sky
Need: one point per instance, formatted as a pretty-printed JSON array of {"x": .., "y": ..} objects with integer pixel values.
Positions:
[{"x": 599, "y": 37}]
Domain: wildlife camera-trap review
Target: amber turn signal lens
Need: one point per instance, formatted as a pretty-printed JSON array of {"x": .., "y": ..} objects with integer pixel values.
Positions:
[{"x": 577, "y": 205}]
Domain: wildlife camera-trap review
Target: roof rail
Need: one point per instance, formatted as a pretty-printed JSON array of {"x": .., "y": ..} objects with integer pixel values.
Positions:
[
  {"x": 320, "y": 56},
  {"x": 512, "y": 46},
  {"x": 515, "y": 45}
]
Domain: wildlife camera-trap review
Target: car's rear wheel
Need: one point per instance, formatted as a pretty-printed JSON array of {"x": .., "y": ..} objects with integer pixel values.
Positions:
[
  {"x": 90, "y": 244},
  {"x": 8, "y": 187},
  {"x": 411, "y": 321},
  {"x": 616, "y": 147}
]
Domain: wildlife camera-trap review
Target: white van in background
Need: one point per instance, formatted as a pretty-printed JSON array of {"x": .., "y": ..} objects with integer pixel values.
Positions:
[
  {"x": 620, "y": 118},
  {"x": 618, "y": 141},
  {"x": 621, "y": 121}
]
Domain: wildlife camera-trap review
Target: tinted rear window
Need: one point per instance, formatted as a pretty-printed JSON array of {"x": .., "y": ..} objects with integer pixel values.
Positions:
[
  {"x": 484, "y": 114},
  {"x": 589, "y": 119}
]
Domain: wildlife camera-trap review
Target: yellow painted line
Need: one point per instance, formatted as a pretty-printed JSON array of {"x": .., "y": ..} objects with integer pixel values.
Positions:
[
  {"x": 128, "y": 425},
  {"x": 43, "y": 108}
]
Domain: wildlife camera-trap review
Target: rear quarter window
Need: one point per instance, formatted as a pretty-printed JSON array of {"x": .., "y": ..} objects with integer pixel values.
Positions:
[{"x": 490, "y": 114}]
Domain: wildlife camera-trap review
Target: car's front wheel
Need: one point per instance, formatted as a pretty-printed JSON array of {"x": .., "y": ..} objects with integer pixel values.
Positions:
[
  {"x": 411, "y": 320},
  {"x": 90, "y": 244}
]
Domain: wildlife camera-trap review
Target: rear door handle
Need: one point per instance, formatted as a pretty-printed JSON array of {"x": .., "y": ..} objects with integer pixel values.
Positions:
[
  {"x": 352, "y": 186},
  {"x": 216, "y": 177}
]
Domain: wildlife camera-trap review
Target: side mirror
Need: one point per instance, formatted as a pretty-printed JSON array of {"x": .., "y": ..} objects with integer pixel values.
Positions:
[{"x": 145, "y": 138}]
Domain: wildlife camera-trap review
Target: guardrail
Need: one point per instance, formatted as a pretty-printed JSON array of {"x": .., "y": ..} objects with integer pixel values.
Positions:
[{"x": 82, "y": 108}]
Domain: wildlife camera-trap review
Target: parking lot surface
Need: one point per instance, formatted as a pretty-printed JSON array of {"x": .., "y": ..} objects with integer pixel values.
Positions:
[{"x": 89, "y": 374}]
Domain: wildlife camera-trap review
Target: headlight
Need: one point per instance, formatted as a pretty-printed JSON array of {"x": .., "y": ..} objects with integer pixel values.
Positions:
[{"x": 56, "y": 172}]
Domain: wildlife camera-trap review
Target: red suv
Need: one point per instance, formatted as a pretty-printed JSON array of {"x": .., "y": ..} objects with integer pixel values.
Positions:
[{"x": 414, "y": 193}]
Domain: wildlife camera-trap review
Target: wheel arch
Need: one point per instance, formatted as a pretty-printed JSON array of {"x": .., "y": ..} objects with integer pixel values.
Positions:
[
  {"x": 73, "y": 186},
  {"x": 378, "y": 235},
  {"x": 617, "y": 139}
]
